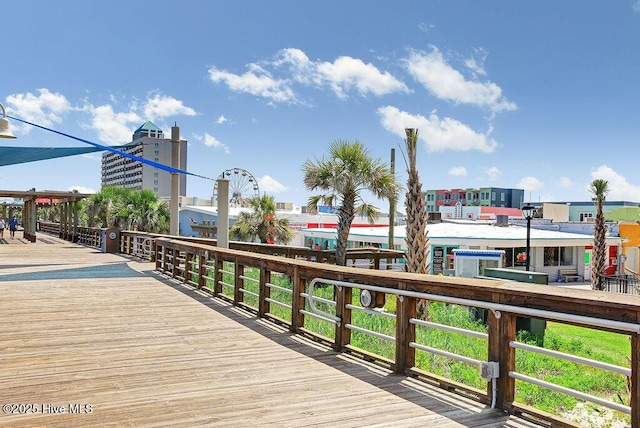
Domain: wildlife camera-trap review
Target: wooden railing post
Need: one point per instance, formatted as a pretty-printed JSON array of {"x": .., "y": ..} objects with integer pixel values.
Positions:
[
  {"x": 635, "y": 380},
  {"x": 343, "y": 335},
  {"x": 265, "y": 292},
  {"x": 238, "y": 282},
  {"x": 297, "y": 301},
  {"x": 202, "y": 271},
  {"x": 502, "y": 331},
  {"x": 217, "y": 287},
  {"x": 405, "y": 332}
]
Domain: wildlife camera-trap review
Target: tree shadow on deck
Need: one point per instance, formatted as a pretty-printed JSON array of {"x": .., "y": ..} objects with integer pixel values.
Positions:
[{"x": 455, "y": 407}]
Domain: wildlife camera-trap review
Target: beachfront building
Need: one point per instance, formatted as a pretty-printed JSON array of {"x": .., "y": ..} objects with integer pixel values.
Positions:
[
  {"x": 201, "y": 221},
  {"x": 586, "y": 211},
  {"x": 484, "y": 196},
  {"x": 148, "y": 142},
  {"x": 551, "y": 251}
]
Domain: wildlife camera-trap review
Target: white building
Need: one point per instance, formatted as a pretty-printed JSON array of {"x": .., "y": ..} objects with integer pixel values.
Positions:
[
  {"x": 550, "y": 250},
  {"x": 148, "y": 142}
]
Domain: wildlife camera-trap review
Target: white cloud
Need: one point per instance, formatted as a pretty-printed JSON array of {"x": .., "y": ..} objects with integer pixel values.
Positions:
[
  {"x": 257, "y": 81},
  {"x": 113, "y": 128},
  {"x": 341, "y": 76},
  {"x": 346, "y": 72},
  {"x": 492, "y": 172},
  {"x": 269, "y": 185},
  {"x": 476, "y": 65},
  {"x": 221, "y": 120},
  {"x": 530, "y": 184},
  {"x": 636, "y": 6},
  {"x": 43, "y": 109},
  {"x": 565, "y": 182},
  {"x": 432, "y": 71},
  {"x": 458, "y": 171},
  {"x": 211, "y": 141},
  {"x": 619, "y": 188},
  {"x": 438, "y": 134},
  {"x": 81, "y": 189},
  {"x": 160, "y": 106}
]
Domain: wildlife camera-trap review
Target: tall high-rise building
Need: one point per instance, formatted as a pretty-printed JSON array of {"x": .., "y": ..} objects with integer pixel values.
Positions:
[{"x": 148, "y": 142}]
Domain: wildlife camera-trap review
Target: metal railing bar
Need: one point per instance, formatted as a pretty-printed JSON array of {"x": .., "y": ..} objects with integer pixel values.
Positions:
[
  {"x": 451, "y": 355},
  {"x": 573, "y": 358},
  {"x": 370, "y": 332},
  {"x": 572, "y": 392},
  {"x": 370, "y": 311},
  {"x": 470, "y": 333}
]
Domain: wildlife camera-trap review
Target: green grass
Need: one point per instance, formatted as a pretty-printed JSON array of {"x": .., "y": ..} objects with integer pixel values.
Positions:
[{"x": 612, "y": 348}]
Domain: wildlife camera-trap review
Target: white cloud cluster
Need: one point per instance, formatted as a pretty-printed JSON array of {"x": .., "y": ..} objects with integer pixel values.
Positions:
[
  {"x": 458, "y": 171},
  {"x": 341, "y": 76},
  {"x": 211, "y": 141},
  {"x": 437, "y": 134},
  {"x": 44, "y": 109},
  {"x": 161, "y": 106},
  {"x": 493, "y": 172},
  {"x": 530, "y": 184},
  {"x": 113, "y": 128},
  {"x": 445, "y": 82},
  {"x": 619, "y": 188},
  {"x": 257, "y": 81},
  {"x": 270, "y": 185}
]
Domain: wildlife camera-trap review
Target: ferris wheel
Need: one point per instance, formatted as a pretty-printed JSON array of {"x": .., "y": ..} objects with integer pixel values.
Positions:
[{"x": 242, "y": 186}]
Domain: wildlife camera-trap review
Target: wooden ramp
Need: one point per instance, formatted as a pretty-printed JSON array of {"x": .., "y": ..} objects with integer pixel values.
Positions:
[{"x": 92, "y": 339}]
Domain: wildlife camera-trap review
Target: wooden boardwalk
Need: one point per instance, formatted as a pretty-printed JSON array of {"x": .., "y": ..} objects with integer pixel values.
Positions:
[{"x": 92, "y": 339}]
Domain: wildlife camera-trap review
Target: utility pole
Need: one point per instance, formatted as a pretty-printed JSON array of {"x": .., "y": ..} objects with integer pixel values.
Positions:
[
  {"x": 174, "y": 222},
  {"x": 392, "y": 210}
]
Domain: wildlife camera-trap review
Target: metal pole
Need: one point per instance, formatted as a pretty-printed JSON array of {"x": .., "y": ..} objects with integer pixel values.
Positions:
[
  {"x": 174, "y": 222},
  {"x": 392, "y": 210},
  {"x": 528, "y": 260}
]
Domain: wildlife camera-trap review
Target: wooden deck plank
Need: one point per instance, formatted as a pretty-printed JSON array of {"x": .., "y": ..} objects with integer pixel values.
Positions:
[{"x": 100, "y": 329}]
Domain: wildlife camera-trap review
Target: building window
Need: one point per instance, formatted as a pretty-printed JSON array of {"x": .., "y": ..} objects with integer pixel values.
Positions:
[
  {"x": 585, "y": 216},
  {"x": 493, "y": 196},
  {"x": 514, "y": 256},
  {"x": 502, "y": 197},
  {"x": 558, "y": 256}
]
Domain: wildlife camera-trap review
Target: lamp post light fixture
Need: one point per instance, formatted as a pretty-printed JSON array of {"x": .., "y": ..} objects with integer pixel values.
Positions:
[
  {"x": 527, "y": 212},
  {"x": 4, "y": 125}
]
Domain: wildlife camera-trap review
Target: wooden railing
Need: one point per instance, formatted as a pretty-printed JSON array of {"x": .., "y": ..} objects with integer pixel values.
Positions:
[
  {"x": 91, "y": 236},
  {"x": 258, "y": 282},
  {"x": 249, "y": 276}
]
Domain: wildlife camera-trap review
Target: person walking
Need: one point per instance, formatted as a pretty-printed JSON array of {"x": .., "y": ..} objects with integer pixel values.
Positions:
[
  {"x": 2, "y": 225},
  {"x": 13, "y": 226}
]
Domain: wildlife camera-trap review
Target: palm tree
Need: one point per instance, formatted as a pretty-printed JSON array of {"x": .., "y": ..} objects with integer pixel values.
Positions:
[
  {"x": 98, "y": 208},
  {"x": 599, "y": 188},
  {"x": 142, "y": 210},
  {"x": 116, "y": 206},
  {"x": 348, "y": 171},
  {"x": 416, "y": 235},
  {"x": 417, "y": 256},
  {"x": 261, "y": 223}
]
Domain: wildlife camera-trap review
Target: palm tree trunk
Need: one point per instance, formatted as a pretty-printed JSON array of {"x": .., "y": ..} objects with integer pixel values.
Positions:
[
  {"x": 346, "y": 214},
  {"x": 417, "y": 258}
]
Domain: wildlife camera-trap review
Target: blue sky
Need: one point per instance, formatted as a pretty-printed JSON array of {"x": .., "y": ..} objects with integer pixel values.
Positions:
[{"x": 542, "y": 96}]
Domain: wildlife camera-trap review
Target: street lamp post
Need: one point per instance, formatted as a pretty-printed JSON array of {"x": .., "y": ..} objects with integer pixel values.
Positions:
[
  {"x": 4, "y": 125},
  {"x": 527, "y": 212}
]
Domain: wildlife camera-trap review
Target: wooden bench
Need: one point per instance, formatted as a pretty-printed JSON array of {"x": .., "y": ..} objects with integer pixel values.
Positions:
[{"x": 568, "y": 274}]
